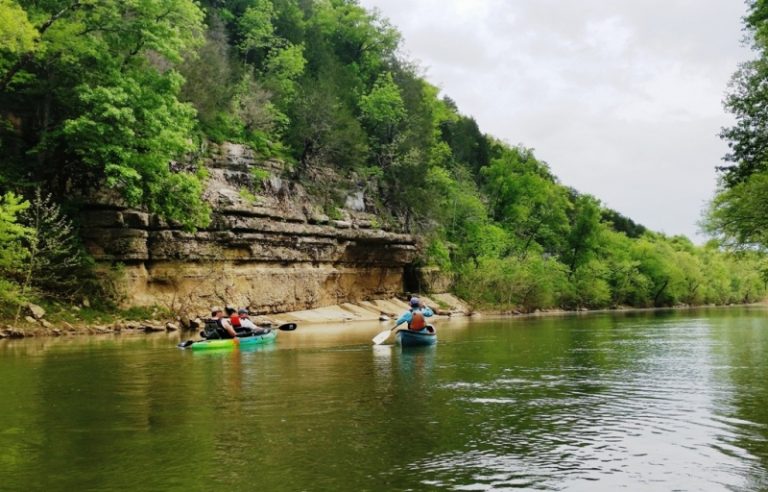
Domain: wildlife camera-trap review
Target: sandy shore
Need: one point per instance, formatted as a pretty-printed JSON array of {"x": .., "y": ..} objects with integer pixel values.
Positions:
[{"x": 339, "y": 316}]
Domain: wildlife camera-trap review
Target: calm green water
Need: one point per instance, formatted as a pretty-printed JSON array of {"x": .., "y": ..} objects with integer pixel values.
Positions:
[{"x": 651, "y": 401}]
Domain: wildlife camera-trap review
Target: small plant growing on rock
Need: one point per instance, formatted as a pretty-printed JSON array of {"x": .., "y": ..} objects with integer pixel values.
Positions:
[
  {"x": 260, "y": 175},
  {"x": 248, "y": 196},
  {"x": 333, "y": 212}
]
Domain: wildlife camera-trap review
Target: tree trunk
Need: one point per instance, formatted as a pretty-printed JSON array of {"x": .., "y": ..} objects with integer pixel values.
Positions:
[{"x": 658, "y": 294}]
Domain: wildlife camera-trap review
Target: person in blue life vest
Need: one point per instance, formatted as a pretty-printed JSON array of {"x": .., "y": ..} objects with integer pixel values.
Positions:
[{"x": 416, "y": 316}]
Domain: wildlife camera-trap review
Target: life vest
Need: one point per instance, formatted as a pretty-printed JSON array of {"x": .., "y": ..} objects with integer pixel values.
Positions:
[
  {"x": 214, "y": 329},
  {"x": 235, "y": 320},
  {"x": 418, "y": 321}
]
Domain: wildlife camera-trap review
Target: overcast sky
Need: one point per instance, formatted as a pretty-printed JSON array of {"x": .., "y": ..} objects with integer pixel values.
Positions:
[{"x": 623, "y": 98}]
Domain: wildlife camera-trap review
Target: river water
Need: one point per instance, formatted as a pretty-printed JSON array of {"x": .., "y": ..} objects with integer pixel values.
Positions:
[{"x": 642, "y": 401}]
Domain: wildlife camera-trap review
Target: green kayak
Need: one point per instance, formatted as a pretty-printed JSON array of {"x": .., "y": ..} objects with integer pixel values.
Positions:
[{"x": 261, "y": 339}]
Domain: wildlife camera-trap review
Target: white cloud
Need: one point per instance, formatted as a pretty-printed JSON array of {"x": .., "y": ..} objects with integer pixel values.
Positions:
[{"x": 622, "y": 98}]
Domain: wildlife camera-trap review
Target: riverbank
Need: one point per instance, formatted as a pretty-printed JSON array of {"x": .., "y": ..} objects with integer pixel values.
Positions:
[
  {"x": 37, "y": 321},
  {"x": 84, "y": 320}
]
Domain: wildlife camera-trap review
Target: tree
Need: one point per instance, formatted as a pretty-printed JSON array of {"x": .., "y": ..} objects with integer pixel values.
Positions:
[
  {"x": 524, "y": 198},
  {"x": 748, "y": 138},
  {"x": 589, "y": 287},
  {"x": 584, "y": 235},
  {"x": 620, "y": 223},
  {"x": 361, "y": 40},
  {"x": 257, "y": 33},
  {"x": 323, "y": 129},
  {"x": 383, "y": 110},
  {"x": 13, "y": 253},
  {"x": 738, "y": 213},
  {"x": 738, "y": 216},
  {"x": 56, "y": 264},
  {"x": 657, "y": 262},
  {"x": 209, "y": 74},
  {"x": 12, "y": 233},
  {"x": 468, "y": 144}
]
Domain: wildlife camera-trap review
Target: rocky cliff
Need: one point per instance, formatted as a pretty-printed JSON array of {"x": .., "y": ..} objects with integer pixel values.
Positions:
[{"x": 269, "y": 246}]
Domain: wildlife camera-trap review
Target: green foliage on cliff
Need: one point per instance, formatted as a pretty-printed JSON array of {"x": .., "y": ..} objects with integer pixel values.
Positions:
[
  {"x": 94, "y": 98},
  {"x": 113, "y": 93}
]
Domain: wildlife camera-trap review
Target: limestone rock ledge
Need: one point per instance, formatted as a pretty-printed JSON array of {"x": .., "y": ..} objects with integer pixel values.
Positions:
[{"x": 268, "y": 247}]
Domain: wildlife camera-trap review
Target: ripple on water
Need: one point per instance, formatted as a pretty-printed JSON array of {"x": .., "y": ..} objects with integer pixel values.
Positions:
[{"x": 623, "y": 428}]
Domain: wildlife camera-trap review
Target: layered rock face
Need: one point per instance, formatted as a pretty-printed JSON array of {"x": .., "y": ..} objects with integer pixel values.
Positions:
[{"x": 269, "y": 246}]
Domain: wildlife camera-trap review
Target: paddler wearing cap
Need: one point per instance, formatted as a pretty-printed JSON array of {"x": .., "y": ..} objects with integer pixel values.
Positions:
[{"x": 416, "y": 316}]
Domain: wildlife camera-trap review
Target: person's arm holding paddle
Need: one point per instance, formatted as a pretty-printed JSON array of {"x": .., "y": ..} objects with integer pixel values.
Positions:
[
  {"x": 425, "y": 310},
  {"x": 405, "y": 318},
  {"x": 382, "y": 337}
]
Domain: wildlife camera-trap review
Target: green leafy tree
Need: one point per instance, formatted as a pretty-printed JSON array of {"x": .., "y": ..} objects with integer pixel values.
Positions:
[
  {"x": 283, "y": 68},
  {"x": 279, "y": 61},
  {"x": 620, "y": 223},
  {"x": 468, "y": 144},
  {"x": 55, "y": 254},
  {"x": 584, "y": 235},
  {"x": 527, "y": 202},
  {"x": 324, "y": 130},
  {"x": 257, "y": 33},
  {"x": 383, "y": 109},
  {"x": 588, "y": 286},
  {"x": 209, "y": 76},
  {"x": 13, "y": 253},
  {"x": 657, "y": 263},
  {"x": 361, "y": 40},
  {"x": 56, "y": 265},
  {"x": 737, "y": 215},
  {"x": 529, "y": 284}
]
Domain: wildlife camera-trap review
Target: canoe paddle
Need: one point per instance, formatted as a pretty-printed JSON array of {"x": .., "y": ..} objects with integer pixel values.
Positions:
[
  {"x": 283, "y": 327},
  {"x": 382, "y": 337},
  {"x": 287, "y": 327}
]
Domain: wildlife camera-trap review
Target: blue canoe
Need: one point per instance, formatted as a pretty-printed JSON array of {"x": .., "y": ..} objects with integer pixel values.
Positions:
[{"x": 425, "y": 337}]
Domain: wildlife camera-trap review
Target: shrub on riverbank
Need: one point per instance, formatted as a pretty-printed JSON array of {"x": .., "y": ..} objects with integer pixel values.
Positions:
[{"x": 40, "y": 255}]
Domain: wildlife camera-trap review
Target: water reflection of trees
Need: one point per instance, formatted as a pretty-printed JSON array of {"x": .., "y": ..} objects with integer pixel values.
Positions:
[{"x": 741, "y": 349}]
